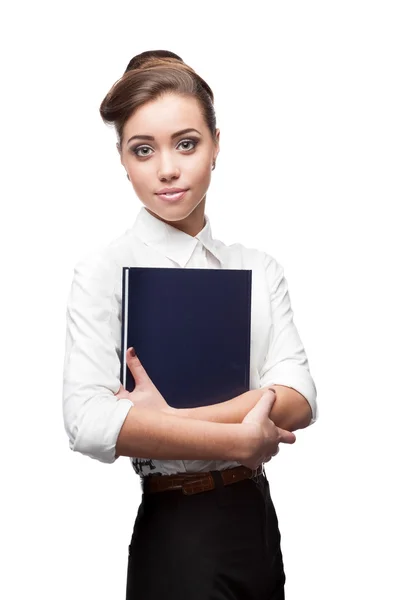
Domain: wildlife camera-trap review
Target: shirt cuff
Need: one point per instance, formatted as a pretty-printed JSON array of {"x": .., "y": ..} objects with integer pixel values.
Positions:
[
  {"x": 99, "y": 426},
  {"x": 298, "y": 379}
]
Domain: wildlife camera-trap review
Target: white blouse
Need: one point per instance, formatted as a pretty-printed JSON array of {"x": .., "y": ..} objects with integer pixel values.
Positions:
[{"x": 93, "y": 416}]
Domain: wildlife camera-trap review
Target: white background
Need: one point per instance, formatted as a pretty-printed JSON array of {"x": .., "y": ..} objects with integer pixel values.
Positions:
[{"x": 306, "y": 97}]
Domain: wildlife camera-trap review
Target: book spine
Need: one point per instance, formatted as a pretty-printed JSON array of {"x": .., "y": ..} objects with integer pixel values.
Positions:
[
  {"x": 248, "y": 373},
  {"x": 125, "y": 308}
]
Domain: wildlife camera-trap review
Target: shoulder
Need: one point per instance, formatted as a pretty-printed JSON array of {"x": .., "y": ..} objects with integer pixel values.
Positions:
[
  {"x": 251, "y": 257},
  {"x": 106, "y": 258}
]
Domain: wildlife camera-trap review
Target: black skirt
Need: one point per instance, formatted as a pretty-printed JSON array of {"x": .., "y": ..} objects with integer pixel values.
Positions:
[{"x": 222, "y": 544}]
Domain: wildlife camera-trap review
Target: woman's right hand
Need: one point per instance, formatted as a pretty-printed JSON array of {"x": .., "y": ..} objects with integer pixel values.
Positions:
[
  {"x": 145, "y": 393},
  {"x": 262, "y": 434}
]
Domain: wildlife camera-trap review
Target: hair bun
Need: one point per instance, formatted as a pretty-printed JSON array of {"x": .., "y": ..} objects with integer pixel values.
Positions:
[{"x": 149, "y": 57}]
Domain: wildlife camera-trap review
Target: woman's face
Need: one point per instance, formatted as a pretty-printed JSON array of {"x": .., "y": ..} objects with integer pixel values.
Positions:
[{"x": 168, "y": 160}]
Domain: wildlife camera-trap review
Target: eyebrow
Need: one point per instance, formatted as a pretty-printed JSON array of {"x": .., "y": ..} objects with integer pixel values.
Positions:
[{"x": 150, "y": 137}]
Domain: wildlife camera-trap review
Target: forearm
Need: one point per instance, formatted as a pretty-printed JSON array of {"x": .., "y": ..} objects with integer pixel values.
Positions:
[
  {"x": 230, "y": 411},
  {"x": 147, "y": 432},
  {"x": 290, "y": 410}
]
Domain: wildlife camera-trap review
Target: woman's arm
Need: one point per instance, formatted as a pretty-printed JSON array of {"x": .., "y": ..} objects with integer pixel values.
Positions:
[
  {"x": 290, "y": 410},
  {"x": 149, "y": 432}
]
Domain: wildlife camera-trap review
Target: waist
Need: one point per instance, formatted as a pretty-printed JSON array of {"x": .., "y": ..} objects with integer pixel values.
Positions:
[
  {"x": 153, "y": 466},
  {"x": 194, "y": 483}
]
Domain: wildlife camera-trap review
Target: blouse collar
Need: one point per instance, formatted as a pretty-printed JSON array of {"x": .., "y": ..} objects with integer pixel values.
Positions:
[{"x": 172, "y": 242}]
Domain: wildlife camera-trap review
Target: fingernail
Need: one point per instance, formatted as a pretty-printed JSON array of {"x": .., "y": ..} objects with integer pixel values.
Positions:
[
  {"x": 132, "y": 351},
  {"x": 272, "y": 389}
]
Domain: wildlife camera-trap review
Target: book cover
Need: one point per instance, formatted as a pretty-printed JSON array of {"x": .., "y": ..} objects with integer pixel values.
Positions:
[{"x": 191, "y": 329}]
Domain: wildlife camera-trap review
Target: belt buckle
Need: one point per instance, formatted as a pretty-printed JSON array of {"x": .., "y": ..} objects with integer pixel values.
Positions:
[{"x": 196, "y": 486}]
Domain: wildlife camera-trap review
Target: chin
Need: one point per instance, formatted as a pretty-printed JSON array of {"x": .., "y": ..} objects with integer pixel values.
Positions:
[{"x": 173, "y": 211}]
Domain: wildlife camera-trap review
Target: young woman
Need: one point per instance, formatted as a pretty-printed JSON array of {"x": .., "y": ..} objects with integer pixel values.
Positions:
[{"x": 206, "y": 527}]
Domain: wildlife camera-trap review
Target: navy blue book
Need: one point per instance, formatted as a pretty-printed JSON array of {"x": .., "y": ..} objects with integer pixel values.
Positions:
[{"x": 191, "y": 329}]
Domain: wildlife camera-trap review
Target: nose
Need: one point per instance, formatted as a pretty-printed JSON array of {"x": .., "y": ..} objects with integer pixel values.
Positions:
[{"x": 168, "y": 168}]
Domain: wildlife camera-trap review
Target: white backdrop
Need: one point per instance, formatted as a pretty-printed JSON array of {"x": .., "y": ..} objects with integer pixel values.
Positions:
[{"x": 306, "y": 97}]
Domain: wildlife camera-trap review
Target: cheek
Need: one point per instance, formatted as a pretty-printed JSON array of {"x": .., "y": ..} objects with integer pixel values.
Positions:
[
  {"x": 139, "y": 176},
  {"x": 199, "y": 172},
  {"x": 139, "y": 184}
]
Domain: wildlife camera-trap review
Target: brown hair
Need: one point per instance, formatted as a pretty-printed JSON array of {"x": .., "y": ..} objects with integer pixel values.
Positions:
[{"x": 148, "y": 76}]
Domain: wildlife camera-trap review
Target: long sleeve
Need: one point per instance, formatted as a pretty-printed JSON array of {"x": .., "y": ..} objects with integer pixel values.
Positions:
[
  {"x": 93, "y": 416},
  {"x": 286, "y": 362}
]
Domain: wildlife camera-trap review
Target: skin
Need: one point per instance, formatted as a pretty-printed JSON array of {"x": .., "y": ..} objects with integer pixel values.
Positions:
[{"x": 165, "y": 162}]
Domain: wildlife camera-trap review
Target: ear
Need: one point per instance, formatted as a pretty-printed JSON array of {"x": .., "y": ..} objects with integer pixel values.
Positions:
[{"x": 217, "y": 147}]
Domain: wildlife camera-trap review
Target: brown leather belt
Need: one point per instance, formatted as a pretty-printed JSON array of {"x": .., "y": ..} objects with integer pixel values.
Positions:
[{"x": 193, "y": 483}]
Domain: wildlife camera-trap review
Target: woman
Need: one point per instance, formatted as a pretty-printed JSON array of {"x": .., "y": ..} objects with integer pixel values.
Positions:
[{"x": 206, "y": 527}]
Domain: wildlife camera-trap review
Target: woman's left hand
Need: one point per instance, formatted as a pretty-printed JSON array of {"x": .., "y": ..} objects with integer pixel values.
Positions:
[{"x": 145, "y": 393}]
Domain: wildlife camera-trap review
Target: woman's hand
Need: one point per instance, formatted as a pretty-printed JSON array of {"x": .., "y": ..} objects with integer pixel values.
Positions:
[
  {"x": 263, "y": 436},
  {"x": 145, "y": 392}
]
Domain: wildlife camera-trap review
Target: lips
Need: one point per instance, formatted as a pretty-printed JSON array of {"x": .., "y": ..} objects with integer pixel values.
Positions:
[
  {"x": 171, "y": 190},
  {"x": 172, "y": 197}
]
